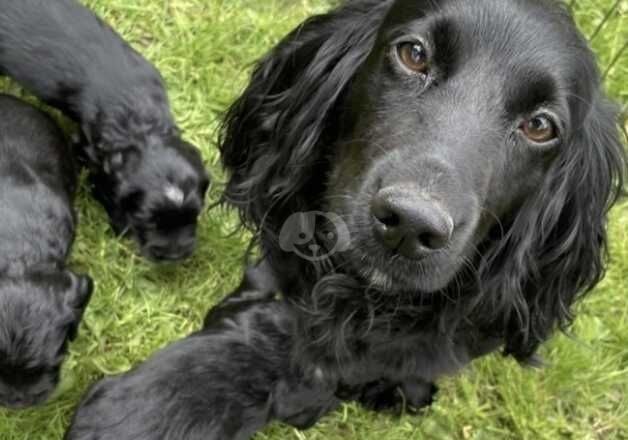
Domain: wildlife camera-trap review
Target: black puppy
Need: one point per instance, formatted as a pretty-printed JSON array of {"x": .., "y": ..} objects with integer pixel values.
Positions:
[
  {"x": 41, "y": 302},
  {"x": 151, "y": 182},
  {"x": 223, "y": 383}
]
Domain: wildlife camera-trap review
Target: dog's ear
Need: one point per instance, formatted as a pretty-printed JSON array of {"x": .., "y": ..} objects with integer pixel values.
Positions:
[
  {"x": 272, "y": 135},
  {"x": 556, "y": 248},
  {"x": 76, "y": 300}
]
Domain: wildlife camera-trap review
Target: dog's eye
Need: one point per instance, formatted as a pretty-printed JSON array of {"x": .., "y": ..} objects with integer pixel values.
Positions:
[
  {"x": 539, "y": 129},
  {"x": 413, "y": 55}
]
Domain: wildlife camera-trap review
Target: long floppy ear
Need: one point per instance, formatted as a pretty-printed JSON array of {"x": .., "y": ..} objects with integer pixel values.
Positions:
[
  {"x": 272, "y": 137},
  {"x": 555, "y": 250}
]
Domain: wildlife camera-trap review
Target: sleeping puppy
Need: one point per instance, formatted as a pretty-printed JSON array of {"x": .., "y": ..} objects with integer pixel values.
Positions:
[
  {"x": 222, "y": 383},
  {"x": 151, "y": 182},
  {"x": 41, "y": 302}
]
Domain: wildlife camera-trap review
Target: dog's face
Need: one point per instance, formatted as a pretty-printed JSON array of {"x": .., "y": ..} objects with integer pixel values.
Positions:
[
  {"x": 456, "y": 116},
  {"x": 155, "y": 195},
  {"x": 39, "y": 315}
]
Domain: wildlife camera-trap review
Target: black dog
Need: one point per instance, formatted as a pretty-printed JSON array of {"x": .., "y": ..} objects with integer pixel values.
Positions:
[
  {"x": 41, "y": 302},
  {"x": 472, "y": 156},
  {"x": 223, "y": 383},
  {"x": 151, "y": 182}
]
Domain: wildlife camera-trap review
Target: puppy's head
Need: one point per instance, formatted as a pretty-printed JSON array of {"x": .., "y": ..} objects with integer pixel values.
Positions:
[
  {"x": 39, "y": 316},
  {"x": 154, "y": 194}
]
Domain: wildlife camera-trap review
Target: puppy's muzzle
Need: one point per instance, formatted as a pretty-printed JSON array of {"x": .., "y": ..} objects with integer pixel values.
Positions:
[{"x": 171, "y": 251}]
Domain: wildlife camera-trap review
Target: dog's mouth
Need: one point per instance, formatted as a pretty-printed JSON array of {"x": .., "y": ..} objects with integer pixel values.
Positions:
[
  {"x": 158, "y": 254},
  {"x": 18, "y": 398},
  {"x": 164, "y": 246},
  {"x": 166, "y": 249},
  {"x": 396, "y": 274}
]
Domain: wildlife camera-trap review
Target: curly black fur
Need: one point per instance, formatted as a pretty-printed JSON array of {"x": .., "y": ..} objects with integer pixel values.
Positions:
[
  {"x": 41, "y": 302},
  {"x": 151, "y": 182}
]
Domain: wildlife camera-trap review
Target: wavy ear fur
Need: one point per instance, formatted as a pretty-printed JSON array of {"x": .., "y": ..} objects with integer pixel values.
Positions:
[
  {"x": 555, "y": 250},
  {"x": 273, "y": 136}
]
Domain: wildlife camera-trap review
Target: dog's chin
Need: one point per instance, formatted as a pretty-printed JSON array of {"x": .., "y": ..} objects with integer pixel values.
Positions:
[
  {"x": 400, "y": 275},
  {"x": 29, "y": 399}
]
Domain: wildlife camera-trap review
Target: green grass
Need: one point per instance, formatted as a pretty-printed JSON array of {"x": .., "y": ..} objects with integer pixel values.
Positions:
[{"x": 204, "y": 49}]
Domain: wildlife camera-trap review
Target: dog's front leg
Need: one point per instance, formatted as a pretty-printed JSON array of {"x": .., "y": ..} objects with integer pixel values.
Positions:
[{"x": 407, "y": 396}]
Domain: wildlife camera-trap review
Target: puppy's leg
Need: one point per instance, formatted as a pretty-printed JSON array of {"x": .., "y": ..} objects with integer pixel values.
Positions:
[
  {"x": 408, "y": 396},
  {"x": 258, "y": 284},
  {"x": 223, "y": 383}
]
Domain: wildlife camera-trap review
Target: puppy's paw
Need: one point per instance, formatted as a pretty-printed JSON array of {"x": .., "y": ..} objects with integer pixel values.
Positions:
[{"x": 407, "y": 397}]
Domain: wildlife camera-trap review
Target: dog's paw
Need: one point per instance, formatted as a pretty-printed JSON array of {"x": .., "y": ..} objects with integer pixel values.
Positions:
[{"x": 399, "y": 398}]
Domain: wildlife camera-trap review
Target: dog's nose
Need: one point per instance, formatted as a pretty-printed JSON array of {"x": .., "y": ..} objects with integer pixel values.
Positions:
[{"x": 412, "y": 225}]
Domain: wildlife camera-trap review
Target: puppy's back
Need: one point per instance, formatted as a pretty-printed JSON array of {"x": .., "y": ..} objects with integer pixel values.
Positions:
[
  {"x": 28, "y": 136},
  {"x": 37, "y": 183}
]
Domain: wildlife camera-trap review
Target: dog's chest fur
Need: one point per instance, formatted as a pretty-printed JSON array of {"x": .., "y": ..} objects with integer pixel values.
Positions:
[{"x": 395, "y": 355}]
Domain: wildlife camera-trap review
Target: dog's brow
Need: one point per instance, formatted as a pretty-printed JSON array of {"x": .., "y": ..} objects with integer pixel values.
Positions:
[{"x": 533, "y": 89}]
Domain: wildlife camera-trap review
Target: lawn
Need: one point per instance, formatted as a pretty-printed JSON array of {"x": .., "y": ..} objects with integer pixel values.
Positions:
[{"x": 205, "y": 48}]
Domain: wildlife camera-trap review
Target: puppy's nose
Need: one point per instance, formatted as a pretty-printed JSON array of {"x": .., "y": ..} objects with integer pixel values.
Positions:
[
  {"x": 172, "y": 252},
  {"x": 412, "y": 225}
]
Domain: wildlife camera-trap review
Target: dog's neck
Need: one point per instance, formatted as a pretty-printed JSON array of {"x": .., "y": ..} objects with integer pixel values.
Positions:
[{"x": 340, "y": 320}]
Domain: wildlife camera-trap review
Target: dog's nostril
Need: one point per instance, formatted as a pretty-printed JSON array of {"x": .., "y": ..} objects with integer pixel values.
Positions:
[
  {"x": 391, "y": 220},
  {"x": 384, "y": 212},
  {"x": 434, "y": 240}
]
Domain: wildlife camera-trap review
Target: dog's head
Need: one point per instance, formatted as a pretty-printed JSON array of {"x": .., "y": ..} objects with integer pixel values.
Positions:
[
  {"x": 39, "y": 316},
  {"x": 457, "y": 140},
  {"x": 154, "y": 194}
]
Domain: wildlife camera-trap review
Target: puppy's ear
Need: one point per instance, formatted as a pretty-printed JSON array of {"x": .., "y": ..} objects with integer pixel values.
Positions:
[
  {"x": 76, "y": 300},
  {"x": 556, "y": 249},
  {"x": 271, "y": 141}
]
